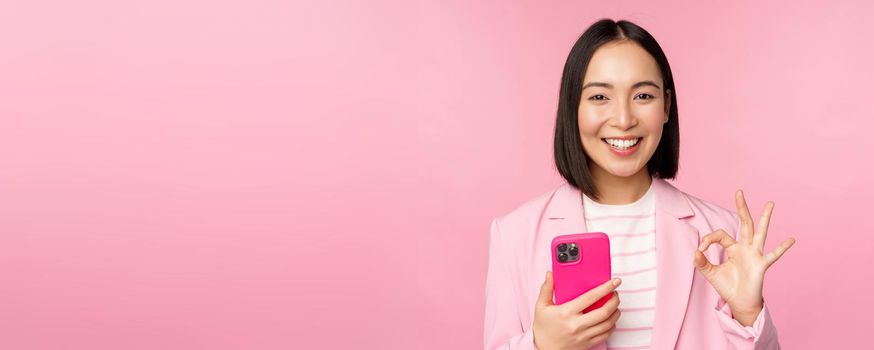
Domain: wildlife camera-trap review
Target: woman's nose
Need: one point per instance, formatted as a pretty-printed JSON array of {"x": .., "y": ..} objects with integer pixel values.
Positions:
[{"x": 624, "y": 118}]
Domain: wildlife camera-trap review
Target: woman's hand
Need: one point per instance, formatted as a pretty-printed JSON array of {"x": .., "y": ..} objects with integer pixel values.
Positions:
[
  {"x": 565, "y": 326},
  {"x": 739, "y": 280}
]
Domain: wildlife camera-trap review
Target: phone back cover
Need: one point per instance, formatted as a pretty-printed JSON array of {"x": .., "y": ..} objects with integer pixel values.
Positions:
[{"x": 593, "y": 269}]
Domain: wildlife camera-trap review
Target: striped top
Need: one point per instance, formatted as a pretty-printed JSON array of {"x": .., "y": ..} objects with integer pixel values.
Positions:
[{"x": 631, "y": 228}]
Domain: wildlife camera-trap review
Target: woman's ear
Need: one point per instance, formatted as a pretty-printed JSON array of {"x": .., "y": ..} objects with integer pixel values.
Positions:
[{"x": 667, "y": 105}]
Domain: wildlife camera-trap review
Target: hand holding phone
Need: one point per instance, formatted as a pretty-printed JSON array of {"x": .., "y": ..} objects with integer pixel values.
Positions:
[
  {"x": 565, "y": 326},
  {"x": 585, "y": 309}
]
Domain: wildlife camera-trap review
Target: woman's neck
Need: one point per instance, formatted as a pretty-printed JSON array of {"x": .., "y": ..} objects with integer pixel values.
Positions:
[{"x": 615, "y": 190}]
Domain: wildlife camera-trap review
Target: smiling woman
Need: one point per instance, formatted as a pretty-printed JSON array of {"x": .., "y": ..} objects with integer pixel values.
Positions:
[
  {"x": 616, "y": 77},
  {"x": 620, "y": 116},
  {"x": 617, "y": 139}
]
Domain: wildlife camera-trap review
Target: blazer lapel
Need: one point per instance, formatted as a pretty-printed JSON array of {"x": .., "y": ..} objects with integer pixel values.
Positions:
[
  {"x": 676, "y": 239},
  {"x": 563, "y": 215},
  {"x": 565, "y": 212}
]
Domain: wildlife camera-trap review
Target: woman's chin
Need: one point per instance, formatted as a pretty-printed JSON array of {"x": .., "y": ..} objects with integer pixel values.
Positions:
[{"x": 624, "y": 172}]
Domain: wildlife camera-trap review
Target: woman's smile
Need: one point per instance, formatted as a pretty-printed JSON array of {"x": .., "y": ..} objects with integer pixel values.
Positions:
[{"x": 623, "y": 146}]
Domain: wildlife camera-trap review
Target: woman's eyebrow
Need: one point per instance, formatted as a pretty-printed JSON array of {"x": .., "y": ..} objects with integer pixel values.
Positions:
[{"x": 610, "y": 86}]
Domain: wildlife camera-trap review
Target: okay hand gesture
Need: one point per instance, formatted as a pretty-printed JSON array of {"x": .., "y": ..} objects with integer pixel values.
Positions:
[{"x": 740, "y": 278}]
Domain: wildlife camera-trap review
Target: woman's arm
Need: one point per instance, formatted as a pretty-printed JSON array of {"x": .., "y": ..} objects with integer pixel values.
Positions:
[{"x": 503, "y": 326}]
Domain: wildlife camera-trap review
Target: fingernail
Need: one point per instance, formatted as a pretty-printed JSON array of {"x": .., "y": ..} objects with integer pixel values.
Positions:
[{"x": 616, "y": 282}]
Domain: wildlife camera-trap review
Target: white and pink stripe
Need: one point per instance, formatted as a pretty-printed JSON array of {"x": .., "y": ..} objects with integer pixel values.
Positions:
[{"x": 631, "y": 228}]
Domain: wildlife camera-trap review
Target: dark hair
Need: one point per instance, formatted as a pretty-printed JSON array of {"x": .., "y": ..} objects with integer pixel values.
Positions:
[{"x": 570, "y": 159}]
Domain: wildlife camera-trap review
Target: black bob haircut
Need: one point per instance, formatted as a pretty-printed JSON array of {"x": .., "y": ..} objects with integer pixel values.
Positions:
[{"x": 570, "y": 158}]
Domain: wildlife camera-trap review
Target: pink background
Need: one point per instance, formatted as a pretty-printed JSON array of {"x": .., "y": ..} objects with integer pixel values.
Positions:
[{"x": 280, "y": 175}]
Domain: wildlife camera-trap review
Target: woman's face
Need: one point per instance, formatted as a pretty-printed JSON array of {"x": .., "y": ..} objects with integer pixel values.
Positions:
[{"x": 622, "y": 109}]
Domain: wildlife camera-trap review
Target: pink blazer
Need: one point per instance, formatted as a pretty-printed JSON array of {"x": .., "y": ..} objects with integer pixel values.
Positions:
[{"x": 689, "y": 314}]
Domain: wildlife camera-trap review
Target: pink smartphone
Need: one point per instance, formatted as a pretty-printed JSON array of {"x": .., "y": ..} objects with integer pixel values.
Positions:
[{"x": 580, "y": 262}]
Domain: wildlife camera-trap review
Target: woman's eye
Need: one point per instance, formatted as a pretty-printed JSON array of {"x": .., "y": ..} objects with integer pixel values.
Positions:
[
  {"x": 598, "y": 98},
  {"x": 649, "y": 97}
]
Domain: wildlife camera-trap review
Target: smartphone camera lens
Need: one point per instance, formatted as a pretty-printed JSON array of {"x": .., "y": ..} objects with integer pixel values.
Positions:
[
  {"x": 562, "y": 257},
  {"x": 574, "y": 251},
  {"x": 562, "y": 248}
]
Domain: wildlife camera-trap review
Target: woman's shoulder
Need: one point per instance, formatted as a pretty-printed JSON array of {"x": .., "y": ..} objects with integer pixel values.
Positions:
[
  {"x": 716, "y": 215},
  {"x": 564, "y": 199},
  {"x": 528, "y": 213}
]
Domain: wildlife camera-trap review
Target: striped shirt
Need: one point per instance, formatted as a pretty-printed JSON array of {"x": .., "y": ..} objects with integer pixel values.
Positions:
[{"x": 631, "y": 228}]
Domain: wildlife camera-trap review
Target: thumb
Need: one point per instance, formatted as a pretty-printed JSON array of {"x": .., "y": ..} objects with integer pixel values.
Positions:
[
  {"x": 546, "y": 290},
  {"x": 702, "y": 264}
]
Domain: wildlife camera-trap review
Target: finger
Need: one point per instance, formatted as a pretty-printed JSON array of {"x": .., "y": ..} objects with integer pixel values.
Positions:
[
  {"x": 702, "y": 264},
  {"x": 585, "y": 300},
  {"x": 775, "y": 254},
  {"x": 718, "y": 236},
  {"x": 746, "y": 220},
  {"x": 600, "y": 314},
  {"x": 605, "y": 325},
  {"x": 762, "y": 227},
  {"x": 603, "y": 336},
  {"x": 546, "y": 290}
]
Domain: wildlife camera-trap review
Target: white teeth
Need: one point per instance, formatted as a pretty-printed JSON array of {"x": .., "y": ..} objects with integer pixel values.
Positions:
[{"x": 622, "y": 144}]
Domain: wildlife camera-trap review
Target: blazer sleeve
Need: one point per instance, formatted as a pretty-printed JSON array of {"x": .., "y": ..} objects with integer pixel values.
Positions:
[
  {"x": 503, "y": 327},
  {"x": 762, "y": 335}
]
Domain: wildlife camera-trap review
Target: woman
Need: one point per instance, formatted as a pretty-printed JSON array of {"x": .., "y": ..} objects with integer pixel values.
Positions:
[{"x": 616, "y": 141}]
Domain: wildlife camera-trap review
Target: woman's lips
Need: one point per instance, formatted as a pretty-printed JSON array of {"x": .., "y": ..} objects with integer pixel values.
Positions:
[{"x": 625, "y": 152}]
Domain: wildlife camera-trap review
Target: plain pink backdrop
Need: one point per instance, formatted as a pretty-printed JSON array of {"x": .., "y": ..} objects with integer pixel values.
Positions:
[{"x": 280, "y": 175}]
